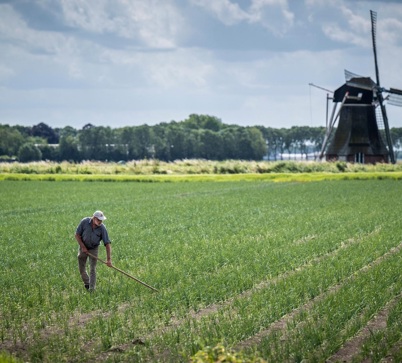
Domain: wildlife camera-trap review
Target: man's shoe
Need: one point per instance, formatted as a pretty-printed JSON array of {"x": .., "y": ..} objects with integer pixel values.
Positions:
[{"x": 86, "y": 286}]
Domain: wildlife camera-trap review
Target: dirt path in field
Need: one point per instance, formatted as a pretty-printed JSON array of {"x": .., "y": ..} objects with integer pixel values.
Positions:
[
  {"x": 352, "y": 347},
  {"x": 280, "y": 324},
  {"x": 80, "y": 320},
  {"x": 76, "y": 321},
  {"x": 346, "y": 353}
]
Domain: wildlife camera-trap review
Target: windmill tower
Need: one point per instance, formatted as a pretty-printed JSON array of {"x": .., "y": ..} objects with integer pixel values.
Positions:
[{"x": 363, "y": 133}]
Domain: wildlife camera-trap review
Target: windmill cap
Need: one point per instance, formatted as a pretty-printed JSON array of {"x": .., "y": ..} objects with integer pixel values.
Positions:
[{"x": 99, "y": 214}]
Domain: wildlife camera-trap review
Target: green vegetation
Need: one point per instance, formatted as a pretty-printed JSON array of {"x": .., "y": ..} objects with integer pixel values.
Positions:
[
  {"x": 197, "y": 170},
  {"x": 197, "y": 137},
  {"x": 246, "y": 271}
]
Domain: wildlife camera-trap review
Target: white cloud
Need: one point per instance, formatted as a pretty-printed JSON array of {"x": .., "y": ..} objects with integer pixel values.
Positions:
[
  {"x": 14, "y": 30},
  {"x": 271, "y": 14},
  {"x": 146, "y": 61},
  {"x": 181, "y": 69},
  {"x": 157, "y": 23},
  {"x": 226, "y": 11}
]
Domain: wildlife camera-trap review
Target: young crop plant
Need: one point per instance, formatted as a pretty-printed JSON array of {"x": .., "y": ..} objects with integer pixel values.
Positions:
[{"x": 272, "y": 271}]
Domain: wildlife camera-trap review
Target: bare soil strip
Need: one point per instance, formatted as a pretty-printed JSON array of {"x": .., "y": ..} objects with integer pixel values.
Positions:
[
  {"x": 213, "y": 308},
  {"x": 352, "y": 347},
  {"x": 282, "y": 323},
  {"x": 82, "y": 319}
]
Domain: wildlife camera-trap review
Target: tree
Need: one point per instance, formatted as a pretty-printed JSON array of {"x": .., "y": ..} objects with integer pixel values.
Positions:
[
  {"x": 228, "y": 137},
  {"x": 317, "y": 138},
  {"x": 177, "y": 142},
  {"x": 204, "y": 122},
  {"x": 46, "y": 132},
  {"x": 273, "y": 139},
  {"x": 29, "y": 152},
  {"x": 49, "y": 152},
  {"x": 301, "y": 137},
  {"x": 94, "y": 142},
  {"x": 68, "y": 148},
  {"x": 162, "y": 149},
  {"x": 10, "y": 140},
  {"x": 143, "y": 137},
  {"x": 211, "y": 145},
  {"x": 199, "y": 136},
  {"x": 251, "y": 144}
]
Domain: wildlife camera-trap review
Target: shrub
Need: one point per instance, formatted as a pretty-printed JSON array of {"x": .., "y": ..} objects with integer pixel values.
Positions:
[{"x": 29, "y": 152}]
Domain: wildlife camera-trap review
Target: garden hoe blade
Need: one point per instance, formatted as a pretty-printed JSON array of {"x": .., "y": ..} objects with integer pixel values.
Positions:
[{"x": 124, "y": 273}]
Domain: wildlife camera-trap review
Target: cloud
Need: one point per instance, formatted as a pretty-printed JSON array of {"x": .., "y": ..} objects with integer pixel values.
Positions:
[
  {"x": 122, "y": 61},
  {"x": 226, "y": 11},
  {"x": 271, "y": 14},
  {"x": 156, "y": 24}
]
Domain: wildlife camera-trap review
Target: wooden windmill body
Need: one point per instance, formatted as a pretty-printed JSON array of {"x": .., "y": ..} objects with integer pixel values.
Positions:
[{"x": 357, "y": 137}]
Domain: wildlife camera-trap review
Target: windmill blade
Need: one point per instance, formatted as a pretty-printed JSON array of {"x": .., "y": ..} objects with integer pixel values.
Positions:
[
  {"x": 386, "y": 128},
  {"x": 380, "y": 96},
  {"x": 373, "y": 15},
  {"x": 394, "y": 96},
  {"x": 349, "y": 75},
  {"x": 395, "y": 91},
  {"x": 357, "y": 81},
  {"x": 395, "y": 99}
]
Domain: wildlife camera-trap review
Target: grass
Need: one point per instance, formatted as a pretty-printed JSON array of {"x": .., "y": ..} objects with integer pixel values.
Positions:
[
  {"x": 252, "y": 269},
  {"x": 150, "y": 171},
  {"x": 274, "y": 177},
  {"x": 193, "y": 167}
]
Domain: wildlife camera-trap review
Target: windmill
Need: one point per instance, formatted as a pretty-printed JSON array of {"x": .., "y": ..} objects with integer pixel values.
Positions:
[{"x": 363, "y": 133}]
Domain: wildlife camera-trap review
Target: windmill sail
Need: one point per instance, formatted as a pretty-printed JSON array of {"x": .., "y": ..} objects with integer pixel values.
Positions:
[
  {"x": 395, "y": 100},
  {"x": 379, "y": 89}
]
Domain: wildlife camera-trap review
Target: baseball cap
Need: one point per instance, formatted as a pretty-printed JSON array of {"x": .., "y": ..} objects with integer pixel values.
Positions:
[{"x": 99, "y": 214}]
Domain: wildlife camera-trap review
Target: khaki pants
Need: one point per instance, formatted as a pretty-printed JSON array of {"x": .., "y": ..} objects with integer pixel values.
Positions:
[{"x": 82, "y": 261}]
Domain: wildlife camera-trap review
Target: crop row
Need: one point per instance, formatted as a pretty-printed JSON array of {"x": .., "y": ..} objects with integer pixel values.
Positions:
[{"x": 229, "y": 260}]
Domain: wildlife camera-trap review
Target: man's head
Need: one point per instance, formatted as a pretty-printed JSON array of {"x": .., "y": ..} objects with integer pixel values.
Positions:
[{"x": 99, "y": 217}]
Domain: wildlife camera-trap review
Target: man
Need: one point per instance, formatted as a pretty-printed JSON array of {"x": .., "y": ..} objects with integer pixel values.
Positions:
[{"x": 88, "y": 234}]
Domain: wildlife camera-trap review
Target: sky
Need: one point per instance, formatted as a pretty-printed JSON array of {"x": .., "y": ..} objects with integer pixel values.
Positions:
[{"x": 132, "y": 62}]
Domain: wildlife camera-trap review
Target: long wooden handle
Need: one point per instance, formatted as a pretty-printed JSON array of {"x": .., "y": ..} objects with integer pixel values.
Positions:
[{"x": 124, "y": 273}]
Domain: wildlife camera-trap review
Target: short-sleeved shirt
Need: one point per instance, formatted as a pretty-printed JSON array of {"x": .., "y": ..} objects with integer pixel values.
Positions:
[{"x": 92, "y": 236}]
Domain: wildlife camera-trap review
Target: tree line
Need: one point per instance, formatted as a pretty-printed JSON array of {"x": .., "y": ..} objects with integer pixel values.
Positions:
[{"x": 197, "y": 137}]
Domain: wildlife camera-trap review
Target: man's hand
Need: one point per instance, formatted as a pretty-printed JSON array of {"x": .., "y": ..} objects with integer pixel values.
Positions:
[
  {"x": 81, "y": 243},
  {"x": 109, "y": 254}
]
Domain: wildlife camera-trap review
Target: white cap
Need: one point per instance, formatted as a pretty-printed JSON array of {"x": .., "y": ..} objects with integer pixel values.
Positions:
[{"x": 99, "y": 214}]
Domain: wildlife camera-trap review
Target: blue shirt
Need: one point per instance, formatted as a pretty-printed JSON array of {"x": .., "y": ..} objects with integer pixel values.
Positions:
[{"x": 92, "y": 236}]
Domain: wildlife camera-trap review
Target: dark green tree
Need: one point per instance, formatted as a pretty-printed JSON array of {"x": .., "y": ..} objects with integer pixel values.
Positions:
[
  {"x": 68, "y": 148},
  {"x": 49, "y": 152},
  {"x": 94, "y": 142},
  {"x": 11, "y": 140},
  {"x": 204, "y": 122},
  {"x": 29, "y": 152},
  {"x": 229, "y": 147},
  {"x": 46, "y": 132},
  {"x": 251, "y": 144},
  {"x": 211, "y": 145}
]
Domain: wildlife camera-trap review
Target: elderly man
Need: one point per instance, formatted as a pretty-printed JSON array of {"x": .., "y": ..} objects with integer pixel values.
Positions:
[{"x": 88, "y": 234}]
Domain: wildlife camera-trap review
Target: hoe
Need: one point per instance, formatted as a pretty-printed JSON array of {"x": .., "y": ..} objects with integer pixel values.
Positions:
[{"x": 124, "y": 273}]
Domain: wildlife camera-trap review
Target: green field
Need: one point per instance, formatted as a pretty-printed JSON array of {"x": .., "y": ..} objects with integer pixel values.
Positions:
[{"x": 286, "y": 272}]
